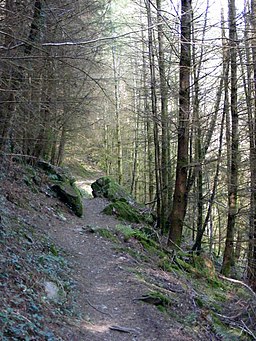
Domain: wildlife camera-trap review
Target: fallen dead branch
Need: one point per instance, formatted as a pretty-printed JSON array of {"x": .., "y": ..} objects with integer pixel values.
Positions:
[
  {"x": 236, "y": 281},
  {"x": 123, "y": 329}
]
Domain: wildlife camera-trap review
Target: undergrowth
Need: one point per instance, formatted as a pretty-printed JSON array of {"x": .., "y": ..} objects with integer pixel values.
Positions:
[
  {"x": 27, "y": 261},
  {"x": 211, "y": 296}
]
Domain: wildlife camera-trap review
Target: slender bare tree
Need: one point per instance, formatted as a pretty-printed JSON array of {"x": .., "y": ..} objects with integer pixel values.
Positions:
[{"x": 180, "y": 192}]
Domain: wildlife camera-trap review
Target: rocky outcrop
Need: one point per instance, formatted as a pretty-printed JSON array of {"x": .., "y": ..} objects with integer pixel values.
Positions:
[
  {"x": 63, "y": 184},
  {"x": 55, "y": 173},
  {"x": 122, "y": 205},
  {"x": 70, "y": 195},
  {"x": 106, "y": 187}
]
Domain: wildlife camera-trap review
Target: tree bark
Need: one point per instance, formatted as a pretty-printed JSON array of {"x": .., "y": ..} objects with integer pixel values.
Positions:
[
  {"x": 154, "y": 110},
  {"x": 251, "y": 271},
  {"x": 228, "y": 257},
  {"x": 117, "y": 116},
  {"x": 180, "y": 192},
  {"x": 165, "y": 164}
]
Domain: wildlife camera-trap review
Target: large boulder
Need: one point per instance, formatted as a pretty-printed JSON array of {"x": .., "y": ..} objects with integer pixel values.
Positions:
[
  {"x": 54, "y": 172},
  {"x": 63, "y": 184},
  {"x": 70, "y": 195},
  {"x": 122, "y": 205},
  {"x": 106, "y": 187}
]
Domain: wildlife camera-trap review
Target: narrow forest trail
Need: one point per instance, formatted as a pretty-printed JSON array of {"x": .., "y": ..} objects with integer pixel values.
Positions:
[{"x": 107, "y": 285}]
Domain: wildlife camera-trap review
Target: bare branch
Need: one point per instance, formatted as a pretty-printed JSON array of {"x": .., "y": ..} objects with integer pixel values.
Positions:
[{"x": 82, "y": 42}]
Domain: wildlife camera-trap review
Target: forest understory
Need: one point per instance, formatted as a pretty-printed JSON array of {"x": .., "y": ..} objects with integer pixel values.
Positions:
[{"x": 99, "y": 278}]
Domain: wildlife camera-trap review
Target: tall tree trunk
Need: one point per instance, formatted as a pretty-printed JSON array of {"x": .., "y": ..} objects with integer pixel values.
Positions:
[
  {"x": 224, "y": 82},
  {"x": 149, "y": 186},
  {"x": 154, "y": 109},
  {"x": 117, "y": 114},
  {"x": 135, "y": 144},
  {"x": 34, "y": 28},
  {"x": 251, "y": 272},
  {"x": 228, "y": 258},
  {"x": 165, "y": 164},
  {"x": 180, "y": 192},
  {"x": 197, "y": 64}
]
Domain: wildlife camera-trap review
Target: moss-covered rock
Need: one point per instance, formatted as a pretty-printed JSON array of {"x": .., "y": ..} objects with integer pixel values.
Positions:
[
  {"x": 63, "y": 184},
  {"x": 106, "y": 187},
  {"x": 55, "y": 173},
  {"x": 123, "y": 204},
  {"x": 70, "y": 195},
  {"x": 123, "y": 211}
]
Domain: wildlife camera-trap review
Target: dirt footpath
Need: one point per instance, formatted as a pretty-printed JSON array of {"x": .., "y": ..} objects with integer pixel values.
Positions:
[{"x": 108, "y": 285}]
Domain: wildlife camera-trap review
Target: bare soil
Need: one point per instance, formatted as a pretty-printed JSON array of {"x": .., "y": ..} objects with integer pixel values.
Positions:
[{"x": 108, "y": 286}]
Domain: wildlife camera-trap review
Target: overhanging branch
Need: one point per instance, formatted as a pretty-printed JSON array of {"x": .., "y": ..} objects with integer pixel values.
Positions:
[{"x": 82, "y": 42}]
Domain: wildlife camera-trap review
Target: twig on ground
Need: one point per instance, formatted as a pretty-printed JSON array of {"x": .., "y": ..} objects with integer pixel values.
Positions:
[
  {"x": 230, "y": 317},
  {"x": 100, "y": 311},
  {"x": 249, "y": 330},
  {"x": 123, "y": 329},
  {"x": 236, "y": 281}
]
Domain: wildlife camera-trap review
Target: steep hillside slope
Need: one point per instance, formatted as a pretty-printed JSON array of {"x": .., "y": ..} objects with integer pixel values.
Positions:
[{"x": 97, "y": 278}]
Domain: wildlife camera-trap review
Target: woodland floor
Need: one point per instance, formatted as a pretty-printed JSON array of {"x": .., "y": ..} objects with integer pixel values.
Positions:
[
  {"x": 108, "y": 285},
  {"x": 108, "y": 280}
]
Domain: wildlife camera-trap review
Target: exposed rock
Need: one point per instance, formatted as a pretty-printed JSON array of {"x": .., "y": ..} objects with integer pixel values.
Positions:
[
  {"x": 63, "y": 184},
  {"x": 123, "y": 204},
  {"x": 105, "y": 187},
  {"x": 124, "y": 211},
  {"x": 55, "y": 173},
  {"x": 70, "y": 195},
  {"x": 51, "y": 290}
]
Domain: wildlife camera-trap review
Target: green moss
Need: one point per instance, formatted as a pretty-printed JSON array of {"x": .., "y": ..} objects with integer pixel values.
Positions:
[
  {"x": 123, "y": 204},
  {"x": 148, "y": 243},
  {"x": 123, "y": 211},
  {"x": 163, "y": 298},
  {"x": 70, "y": 195},
  {"x": 54, "y": 250},
  {"x": 161, "y": 308},
  {"x": 108, "y": 188},
  {"x": 126, "y": 231},
  {"x": 199, "y": 302},
  {"x": 105, "y": 233},
  {"x": 127, "y": 212},
  {"x": 205, "y": 266},
  {"x": 161, "y": 301},
  {"x": 185, "y": 266},
  {"x": 165, "y": 264},
  {"x": 226, "y": 332},
  {"x": 220, "y": 296}
]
